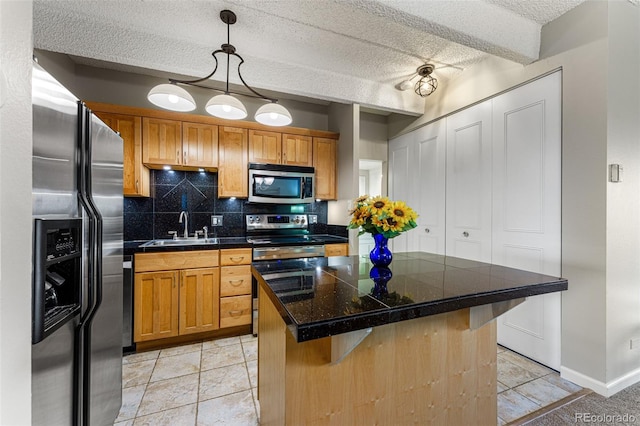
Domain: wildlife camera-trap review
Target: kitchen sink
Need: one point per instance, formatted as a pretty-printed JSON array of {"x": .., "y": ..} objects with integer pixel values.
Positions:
[{"x": 180, "y": 242}]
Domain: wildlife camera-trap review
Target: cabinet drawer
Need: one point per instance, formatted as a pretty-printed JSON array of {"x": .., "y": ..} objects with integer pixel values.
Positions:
[
  {"x": 145, "y": 262},
  {"x": 241, "y": 256},
  {"x": 235, "y": 280},
  {"x": 336, "y": 250},
  {"x": 235, "y": 310}
]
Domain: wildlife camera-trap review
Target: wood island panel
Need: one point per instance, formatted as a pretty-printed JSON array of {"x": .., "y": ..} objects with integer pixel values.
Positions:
[{"x": 432, "y": 370}]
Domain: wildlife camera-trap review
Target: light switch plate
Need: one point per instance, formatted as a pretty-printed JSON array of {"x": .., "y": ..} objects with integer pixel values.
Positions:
[
  {"x": 615, "y": 173},
  {"x": 313, "y": 218},
  {"x": 216, "y": 220}
]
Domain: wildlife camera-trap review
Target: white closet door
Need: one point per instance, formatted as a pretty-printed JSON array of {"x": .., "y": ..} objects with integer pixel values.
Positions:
[
  {"x": 526, "y": 211},
  {"x": 468, "y": 176},
  {"x": 428, "y": 199},
  {"x": 400, "y": 180}
]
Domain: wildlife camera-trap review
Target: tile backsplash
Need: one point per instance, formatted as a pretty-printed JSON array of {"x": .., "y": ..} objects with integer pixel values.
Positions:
[{"x": 197, "y": 194}]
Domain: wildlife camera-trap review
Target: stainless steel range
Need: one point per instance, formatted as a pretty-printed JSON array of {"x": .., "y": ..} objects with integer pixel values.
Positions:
[{"x": 280, "y": 236}]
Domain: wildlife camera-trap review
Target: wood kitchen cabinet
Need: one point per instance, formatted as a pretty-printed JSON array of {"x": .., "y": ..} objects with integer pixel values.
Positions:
[
  {"x": 175, "y": 293},
  {"x": 199, "y": 292},
  {"x": 233, "y": 169},
  {"x": 180, "y": 144},
  {"x": 265, "y": 147},
  {"x": 235, "y": 287},
  {"x": 324, "y": 161},
  {"x": 135, "y": 175},
  {"x": 161, "y": 142},
  {"x": 297, "y": 150},
  {"x": 336, "y": 250},
  {"x": 199, "y": 145},
  {"x": 155, "y": 305}
]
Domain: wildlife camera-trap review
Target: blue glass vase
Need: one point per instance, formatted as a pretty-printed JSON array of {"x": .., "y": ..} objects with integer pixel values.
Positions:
[
  {"x": 380, "y": 276},
  {"x": 380, "y": 255}
]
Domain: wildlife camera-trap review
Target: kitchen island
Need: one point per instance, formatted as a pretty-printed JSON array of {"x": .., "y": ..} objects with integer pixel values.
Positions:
[{"x": 340, "y": 342}]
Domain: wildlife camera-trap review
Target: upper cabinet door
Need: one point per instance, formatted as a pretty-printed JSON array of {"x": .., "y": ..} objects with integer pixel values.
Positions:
[
  {"x": 324, "y": 161},
  {"x": 233, "y": 172},
  {"x": 297, "y": 150},
  {"x": 135, "y": 175},
  {"x": 161, "y": 141},
  {"x": 199, "y": 145},
  {"x": 468, "y": 186},
  {"x": 265, "y": 147}
]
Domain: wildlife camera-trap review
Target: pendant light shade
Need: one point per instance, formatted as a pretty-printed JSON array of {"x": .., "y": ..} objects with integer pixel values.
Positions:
[
  {"x": 273, "y": 114},
  {"x": 175, "y": 98},
  {"x": 171, "y": 97},
  {"x": 225, "y": 106}
]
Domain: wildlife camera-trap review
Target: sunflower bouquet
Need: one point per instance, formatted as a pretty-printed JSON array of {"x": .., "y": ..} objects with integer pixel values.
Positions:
[{"x": 379, "y": 215}]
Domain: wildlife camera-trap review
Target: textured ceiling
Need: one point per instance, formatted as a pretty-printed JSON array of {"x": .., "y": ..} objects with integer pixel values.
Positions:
[{"x": 351, "y": 51}]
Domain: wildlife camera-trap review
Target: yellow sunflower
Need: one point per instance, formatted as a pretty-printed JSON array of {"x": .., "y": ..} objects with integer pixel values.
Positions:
[
  {"x": 401, "y": 213},
  {"x": 379, "y": 204}
]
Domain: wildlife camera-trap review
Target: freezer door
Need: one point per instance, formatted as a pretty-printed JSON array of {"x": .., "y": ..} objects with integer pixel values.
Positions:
[
  {"x": 55, "y": 131},
  {"x": 106, "y": 328}
]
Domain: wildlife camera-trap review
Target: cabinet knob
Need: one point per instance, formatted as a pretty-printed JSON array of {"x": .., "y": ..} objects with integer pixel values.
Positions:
[
  {"x": 427, "y": 230},
  {"x": 465, "y": 234}
]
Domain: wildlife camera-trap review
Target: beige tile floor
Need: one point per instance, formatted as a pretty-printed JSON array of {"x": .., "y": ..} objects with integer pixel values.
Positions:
[{"x": 214, "y": 383}]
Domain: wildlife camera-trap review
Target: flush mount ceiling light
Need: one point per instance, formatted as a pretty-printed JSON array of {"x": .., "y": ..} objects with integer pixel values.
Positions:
[
  {"x": 426, "y": 85},
  {"x": 175, "y": 98}
]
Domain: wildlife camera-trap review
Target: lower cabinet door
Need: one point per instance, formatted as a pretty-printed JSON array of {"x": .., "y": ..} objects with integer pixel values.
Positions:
[
  {"x": 235, "y": 310},
  {"x": 156, "y": 305},
  {"x": 199, "y": 296}
]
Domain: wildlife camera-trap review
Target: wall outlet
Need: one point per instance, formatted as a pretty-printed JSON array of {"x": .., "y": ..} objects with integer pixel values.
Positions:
[
  {"x": 313, "y": 218},
  {"x": 216, "y": 220},
  {"x": 634, "y": 343}
]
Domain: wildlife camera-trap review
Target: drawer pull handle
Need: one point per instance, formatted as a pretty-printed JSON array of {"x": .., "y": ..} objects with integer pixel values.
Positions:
[
  {"x": 235, "y": 283},
  {"x": 237, "y": 258},
  {"x": 235, "y": 313}
]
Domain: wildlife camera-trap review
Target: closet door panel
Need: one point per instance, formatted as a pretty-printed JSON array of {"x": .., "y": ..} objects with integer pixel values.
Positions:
[
  {"x": 468, "y": 183},
  {"x": 527, "y": 210},
  {"x": 430, "y": 154},
  {"x": 400, "y": 183}
]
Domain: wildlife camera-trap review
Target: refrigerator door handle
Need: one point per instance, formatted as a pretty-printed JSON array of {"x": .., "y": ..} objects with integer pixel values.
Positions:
[{"x": 94, "y": 266}]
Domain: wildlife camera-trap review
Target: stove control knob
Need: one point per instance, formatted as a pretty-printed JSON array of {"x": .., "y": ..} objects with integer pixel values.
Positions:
[
  {"x": 250, "y": 219},
  {"x": 302, "y": 220},
  {"x": 296, "y": 220},
  {"x": 257, "y": 218}
]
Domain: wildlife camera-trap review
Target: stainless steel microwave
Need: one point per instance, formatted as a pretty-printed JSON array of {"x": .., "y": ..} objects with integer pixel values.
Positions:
[{"x": 281, "y": 184}]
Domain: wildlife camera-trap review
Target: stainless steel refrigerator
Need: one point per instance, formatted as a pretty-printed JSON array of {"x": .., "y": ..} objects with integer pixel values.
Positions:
[{"x": 77, "y": 266}]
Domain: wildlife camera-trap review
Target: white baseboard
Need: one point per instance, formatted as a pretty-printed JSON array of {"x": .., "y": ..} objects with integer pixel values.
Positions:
[{"x": 604, "y": 389}]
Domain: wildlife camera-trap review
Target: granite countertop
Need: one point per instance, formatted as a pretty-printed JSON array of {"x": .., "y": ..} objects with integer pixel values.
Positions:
[
  {"x": 132, "y": 247},
  {"x": 343, "y": 297}
]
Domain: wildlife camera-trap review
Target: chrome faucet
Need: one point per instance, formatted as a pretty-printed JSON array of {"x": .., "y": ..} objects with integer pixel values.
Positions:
[{"x": 186, "y": 221}]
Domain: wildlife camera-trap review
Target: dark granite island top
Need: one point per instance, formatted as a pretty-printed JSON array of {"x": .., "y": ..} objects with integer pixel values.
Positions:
[{"x": 320, "y": 297}]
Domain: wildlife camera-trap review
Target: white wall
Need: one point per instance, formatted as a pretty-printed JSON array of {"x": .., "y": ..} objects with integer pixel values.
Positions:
[
  {"x": 346, "y": 120},
  {"x": 373, "y": 143},
  {"x": 15, "y": 212},
  {"x": 596, "y": 44}
]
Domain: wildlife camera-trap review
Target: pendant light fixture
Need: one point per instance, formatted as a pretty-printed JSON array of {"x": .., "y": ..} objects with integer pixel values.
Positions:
[{"x": 175, "y": 98}]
